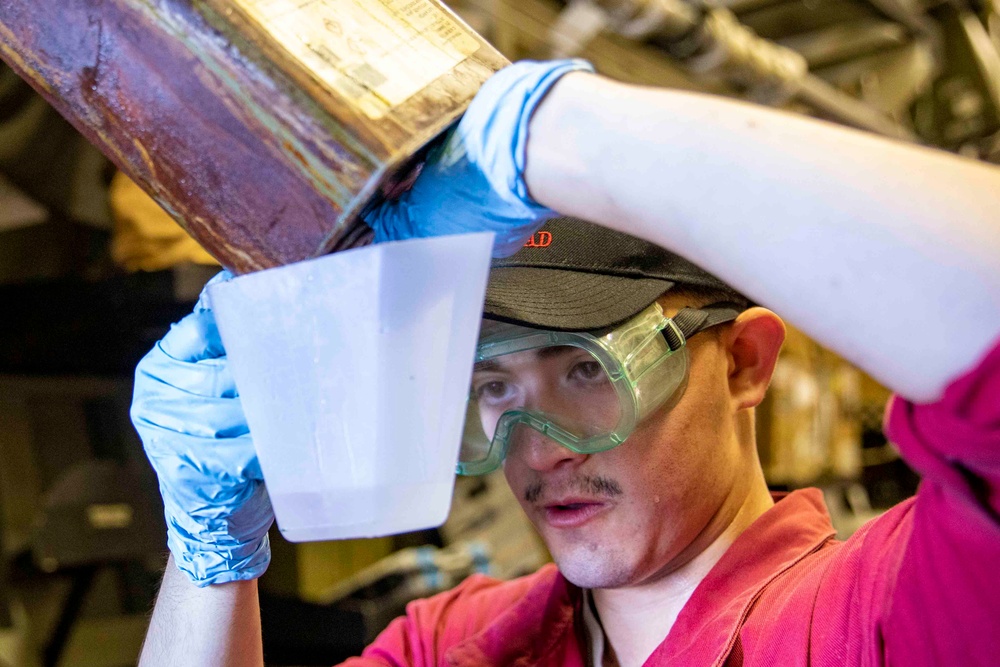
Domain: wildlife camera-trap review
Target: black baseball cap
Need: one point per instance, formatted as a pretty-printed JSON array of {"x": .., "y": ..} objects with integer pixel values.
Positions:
[{"x": 577, "y": 276}]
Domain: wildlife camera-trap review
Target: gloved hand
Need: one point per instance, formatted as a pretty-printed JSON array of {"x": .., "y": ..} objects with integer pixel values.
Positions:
[
  {"x": 188, "y": 414},
  {"x": 474, "y": 180}
]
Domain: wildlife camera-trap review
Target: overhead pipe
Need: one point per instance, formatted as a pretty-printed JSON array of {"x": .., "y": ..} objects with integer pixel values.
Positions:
[{"x": 712, "y": 41}]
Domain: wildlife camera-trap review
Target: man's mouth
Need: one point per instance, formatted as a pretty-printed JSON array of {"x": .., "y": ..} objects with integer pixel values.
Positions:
[{"x": 572, "y": 512}]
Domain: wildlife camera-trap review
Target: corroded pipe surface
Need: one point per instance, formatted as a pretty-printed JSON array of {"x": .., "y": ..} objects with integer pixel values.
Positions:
[{"x": 261, "y": 159}]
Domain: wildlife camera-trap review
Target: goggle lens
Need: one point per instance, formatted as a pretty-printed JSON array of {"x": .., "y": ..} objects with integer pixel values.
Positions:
[
  {"x": 586, "y": 391},
  {"x": 566, "y": 388}
]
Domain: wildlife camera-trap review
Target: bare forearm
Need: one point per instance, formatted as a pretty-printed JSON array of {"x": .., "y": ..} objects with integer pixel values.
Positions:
[
  {"x": 213, "y": 626},
  {"x": 886, "y": 252}
]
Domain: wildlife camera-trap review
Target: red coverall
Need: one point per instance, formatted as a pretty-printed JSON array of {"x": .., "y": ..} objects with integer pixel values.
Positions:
[{"x": 920, "y": 585}]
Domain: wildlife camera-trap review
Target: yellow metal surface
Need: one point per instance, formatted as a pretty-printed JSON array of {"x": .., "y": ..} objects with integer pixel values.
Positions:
[
  {"x": 320, "y": 565},
  {"x": 376, "y": 53}
]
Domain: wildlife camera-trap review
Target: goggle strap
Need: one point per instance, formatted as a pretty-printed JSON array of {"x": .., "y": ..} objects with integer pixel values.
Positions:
[{"x": 692, "y": 320}]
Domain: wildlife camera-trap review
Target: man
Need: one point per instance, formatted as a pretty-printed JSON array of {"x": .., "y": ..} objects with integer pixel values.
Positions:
[{"x": 668, "y": 548}]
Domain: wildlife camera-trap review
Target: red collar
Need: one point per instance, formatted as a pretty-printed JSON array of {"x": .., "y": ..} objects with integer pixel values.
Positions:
[
  {"x": 545, "y": 626},
  {"x": 706, "y": 628},
  {"x": 538, "y": 630}
]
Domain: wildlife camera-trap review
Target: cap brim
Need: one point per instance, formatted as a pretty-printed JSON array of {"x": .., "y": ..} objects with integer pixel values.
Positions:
[{"x": 568, "y": 300}]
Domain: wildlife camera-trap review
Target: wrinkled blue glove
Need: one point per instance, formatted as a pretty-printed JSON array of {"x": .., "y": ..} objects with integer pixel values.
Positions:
[
  {"x": 188, "y": 414},
  {"x": 474, "y": 180}
]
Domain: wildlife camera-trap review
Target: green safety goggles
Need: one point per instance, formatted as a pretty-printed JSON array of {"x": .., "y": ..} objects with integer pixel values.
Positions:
[{"x": 586, "y": 391}]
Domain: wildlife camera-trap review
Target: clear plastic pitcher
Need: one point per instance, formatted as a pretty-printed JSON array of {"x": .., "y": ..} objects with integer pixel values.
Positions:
[{"x": 353, "y": 370}]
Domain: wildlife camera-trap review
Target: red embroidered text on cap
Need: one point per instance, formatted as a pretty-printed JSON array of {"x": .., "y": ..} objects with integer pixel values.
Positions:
[{"x": 539, "y": 240}]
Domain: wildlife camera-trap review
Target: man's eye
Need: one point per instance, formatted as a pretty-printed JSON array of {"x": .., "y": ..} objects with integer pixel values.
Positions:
[
  {"x": 589, "y": 371},
  {"x": 492, "y": 391}
]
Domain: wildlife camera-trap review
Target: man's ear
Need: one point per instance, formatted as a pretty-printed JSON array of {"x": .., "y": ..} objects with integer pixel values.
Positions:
[{"x": 753, "y": 341}]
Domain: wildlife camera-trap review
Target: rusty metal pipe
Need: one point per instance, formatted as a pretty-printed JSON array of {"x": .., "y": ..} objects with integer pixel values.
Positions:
[{"x": 260, "y": 158}]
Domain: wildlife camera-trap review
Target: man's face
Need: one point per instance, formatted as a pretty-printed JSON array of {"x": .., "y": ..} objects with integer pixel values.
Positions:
[{"x": 634, "y": 513}]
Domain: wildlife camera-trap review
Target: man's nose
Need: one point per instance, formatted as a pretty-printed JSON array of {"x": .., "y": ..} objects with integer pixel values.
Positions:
[{"x": 540, "y": 452}]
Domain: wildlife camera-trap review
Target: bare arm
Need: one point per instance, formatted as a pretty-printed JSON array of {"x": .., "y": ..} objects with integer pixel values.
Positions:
[
  {"x": 213, "y": 626},
  {"x": 886, "y": 252}
]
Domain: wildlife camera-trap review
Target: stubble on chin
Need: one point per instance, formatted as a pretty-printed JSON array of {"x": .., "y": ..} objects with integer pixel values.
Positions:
[{"x": 592, "y": 565}]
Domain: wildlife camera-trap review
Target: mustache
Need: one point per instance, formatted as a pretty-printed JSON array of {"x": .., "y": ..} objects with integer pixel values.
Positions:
[{"x": 593, "y": 485}]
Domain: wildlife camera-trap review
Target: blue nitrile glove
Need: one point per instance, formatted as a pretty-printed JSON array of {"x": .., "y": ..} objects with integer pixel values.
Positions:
[
  {"x": 188, "y": 414},
  {"x": 474, "y": 180}
]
